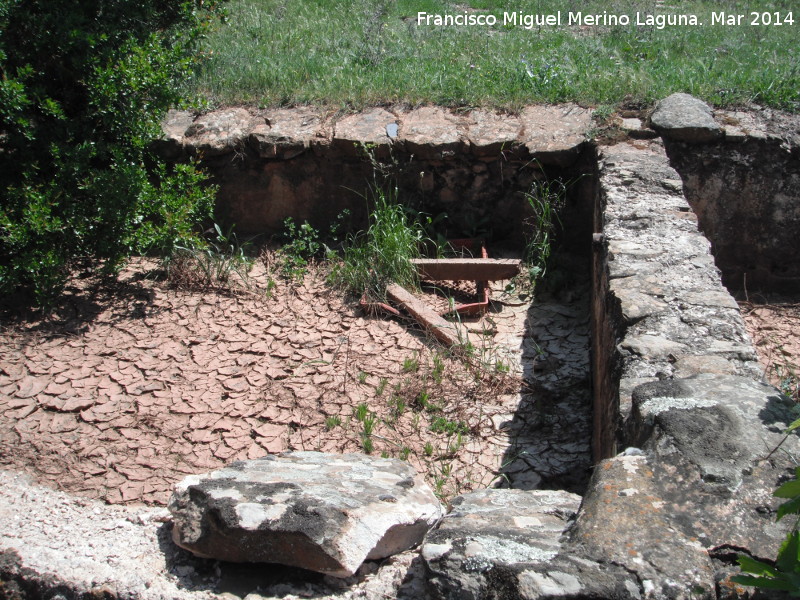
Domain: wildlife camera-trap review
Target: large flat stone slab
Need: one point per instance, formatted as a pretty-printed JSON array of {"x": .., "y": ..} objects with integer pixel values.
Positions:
[
  {"x": 323, "y": 512},
  {"x": 431, "y": 133},
  {"x": 555, "y": 134},
  {"x": 220, "y": 132},
  {"x": 287, "y": 133},
  {"x": 374, "y": 128}
]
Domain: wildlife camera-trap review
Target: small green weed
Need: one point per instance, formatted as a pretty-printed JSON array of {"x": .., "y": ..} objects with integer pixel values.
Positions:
[
  {"x": 784, "y": 573},
  {"x": 438, "y": 369},
  {"x": 333, "y": 422},
  {"x": 456, "y": 444},
  {"x": 361, "y": 412},
  {"x": 367, "y": 445},
  {"x": 443, "y": 425},
  {"x": 411, "y": 364},
  {"x": 381, "y": 386},
  {"x": 405, "y": 451},
  {"x": 398, "y": 406},
  {"x": 369, "y": 425},
  {"x": 428, "y": 449},
  {"x": 302, "y": 246},
  {"x": 362, "y": 377}
]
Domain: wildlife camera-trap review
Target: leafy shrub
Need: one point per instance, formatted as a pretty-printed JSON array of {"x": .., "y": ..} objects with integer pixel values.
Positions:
[
  {"x": 302, "y": 245},
  {"x": 83, "y": 87}
]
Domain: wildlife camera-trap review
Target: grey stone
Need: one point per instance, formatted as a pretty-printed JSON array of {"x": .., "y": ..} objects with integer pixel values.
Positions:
[
  {"x": 703, "y": 363},
  {"x": 683, "y": 117},
  {"x": 652, "y": 346},
  {"x": 287, "y": 133},
  {"x": 555, "y": 134},
  {"x": 370, "y": 127},
  {"x": 220, "y": 132},
  {"x": 700, "y": 484},
  {"x": 494, "y": 528},
  {"x": 637, "y": 305},
  {"x": 318, "y": 511}
]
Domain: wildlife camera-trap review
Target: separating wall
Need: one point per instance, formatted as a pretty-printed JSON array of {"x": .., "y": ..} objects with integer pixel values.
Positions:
[{"x": 310, "y": 165}]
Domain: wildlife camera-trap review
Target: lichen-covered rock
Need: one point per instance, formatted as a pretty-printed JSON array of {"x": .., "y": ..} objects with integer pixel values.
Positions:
[
  {"x": 699, "y": 489},
  {"x": 684, "y": 117},
  {"x": 495, "y": 528},
  {"x": 318, "y": 511}
]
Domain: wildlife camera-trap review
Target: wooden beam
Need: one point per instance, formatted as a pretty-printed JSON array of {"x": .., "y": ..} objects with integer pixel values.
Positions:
[
  {"x": 472, "y": 269},
  {"x": 443, "y": 330}
]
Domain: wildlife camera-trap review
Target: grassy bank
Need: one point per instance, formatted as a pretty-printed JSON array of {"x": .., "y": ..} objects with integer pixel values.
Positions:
[{"x": 353, "y": 53}]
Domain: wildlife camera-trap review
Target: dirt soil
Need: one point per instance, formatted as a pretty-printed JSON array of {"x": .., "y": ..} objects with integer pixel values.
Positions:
[
  {"x": 126, "y": 388},
  {"x": 774, "y": 327}
]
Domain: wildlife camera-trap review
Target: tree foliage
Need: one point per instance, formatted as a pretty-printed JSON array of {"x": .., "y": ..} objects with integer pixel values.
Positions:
[{"x": 83, "y": 87}]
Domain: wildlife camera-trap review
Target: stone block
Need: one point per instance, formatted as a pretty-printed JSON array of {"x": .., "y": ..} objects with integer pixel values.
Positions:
[{"x": 317, "y": 511}]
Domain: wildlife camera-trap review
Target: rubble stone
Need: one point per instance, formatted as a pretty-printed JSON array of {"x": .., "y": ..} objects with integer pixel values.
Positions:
[{"x": 322, "y": 512}]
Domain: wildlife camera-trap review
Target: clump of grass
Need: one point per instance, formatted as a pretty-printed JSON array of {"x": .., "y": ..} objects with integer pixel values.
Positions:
[
  {"x": 361, "y": 412},
  {"x": 411, "y": 364},
  {"x": 333, "y": 422},
  {"x": 382, "y": 254},
  {"x": 220, "y": 262},
  {"x": 545, "y": 199}
]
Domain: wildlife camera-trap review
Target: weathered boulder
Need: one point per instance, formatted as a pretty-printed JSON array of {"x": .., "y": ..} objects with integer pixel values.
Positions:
[
  {"x": 318, "y": 511},
  {"x": 684, "y": 117},
  {"x": 494, "y": 531}
]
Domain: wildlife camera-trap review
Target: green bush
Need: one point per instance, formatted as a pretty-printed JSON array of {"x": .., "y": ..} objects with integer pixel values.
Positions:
[{"x": 83, "y": 88}]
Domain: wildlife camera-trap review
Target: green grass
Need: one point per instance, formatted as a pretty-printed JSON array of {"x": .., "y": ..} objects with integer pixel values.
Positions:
[
  {"x": 373, "y": 258},
  {"x": 354, "y": 53}
]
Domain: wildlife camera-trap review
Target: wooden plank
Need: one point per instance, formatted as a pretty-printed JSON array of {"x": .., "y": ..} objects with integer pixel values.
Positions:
[
  {"x": 472, "y": 269},
  {"x": 443, "y": 330}
]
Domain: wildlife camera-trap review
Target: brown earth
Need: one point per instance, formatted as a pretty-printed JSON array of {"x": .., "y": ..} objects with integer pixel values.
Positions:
[
  {"x": 775, "y": 330},
  {"x": 127, "y": 387}
]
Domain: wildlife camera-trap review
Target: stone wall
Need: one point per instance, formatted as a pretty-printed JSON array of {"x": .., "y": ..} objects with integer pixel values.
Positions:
[
  {"x": 311, "y": 165},
  {"x": 744, "y": 186}
]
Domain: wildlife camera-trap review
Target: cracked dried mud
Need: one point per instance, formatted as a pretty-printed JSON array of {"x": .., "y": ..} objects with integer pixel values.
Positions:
[{"x": 127, "y": 387}]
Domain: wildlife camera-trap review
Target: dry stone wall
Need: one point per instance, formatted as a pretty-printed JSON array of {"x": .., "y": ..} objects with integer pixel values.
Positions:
[{"x": 309, "y": 164}]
